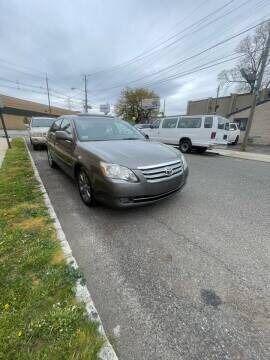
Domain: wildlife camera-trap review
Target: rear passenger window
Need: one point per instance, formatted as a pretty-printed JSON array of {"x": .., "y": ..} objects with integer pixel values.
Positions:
[
  {"x": 189, "y": 122},
  {"x": 208, "y": 122},
  {"x": 169, "y": 123}
]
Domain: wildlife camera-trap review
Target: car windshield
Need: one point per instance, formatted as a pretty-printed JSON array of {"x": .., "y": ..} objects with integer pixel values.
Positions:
[
  {"x": 104, "y": 129},
  {"x": 42, "y": 122}
]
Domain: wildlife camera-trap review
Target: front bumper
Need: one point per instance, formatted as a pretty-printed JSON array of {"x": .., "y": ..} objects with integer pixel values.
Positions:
[{"x": 123, "y": 194}]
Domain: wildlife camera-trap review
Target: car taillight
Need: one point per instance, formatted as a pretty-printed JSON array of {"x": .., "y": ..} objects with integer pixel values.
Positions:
[{"x": 213, "y": 135}]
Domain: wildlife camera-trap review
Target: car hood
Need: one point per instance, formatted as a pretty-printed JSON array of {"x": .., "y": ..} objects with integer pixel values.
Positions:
[
  {"x": 39, "y": 129},
  {"x": 131, "y": 153}
]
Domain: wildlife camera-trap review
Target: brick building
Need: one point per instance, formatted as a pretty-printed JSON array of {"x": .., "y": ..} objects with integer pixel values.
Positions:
[{"x": 18, "y": 111}]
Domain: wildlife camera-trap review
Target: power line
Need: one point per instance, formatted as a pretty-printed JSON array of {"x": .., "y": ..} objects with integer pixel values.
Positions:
[
  {"x": 188, "y": 58},
  {"x": 211, "y": 35},
  {"x": 140, "y": 56}
]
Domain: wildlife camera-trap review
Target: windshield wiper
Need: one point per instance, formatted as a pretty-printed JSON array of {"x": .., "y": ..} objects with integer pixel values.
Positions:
[{"x": 130, "y": 138}]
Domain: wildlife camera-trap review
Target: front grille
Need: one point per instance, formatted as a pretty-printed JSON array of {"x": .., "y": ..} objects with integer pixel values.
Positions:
[
  {"x": 39, "y": 134},
  {"x": 149, "y": 198},
  {"x": 161, "y": 172}
]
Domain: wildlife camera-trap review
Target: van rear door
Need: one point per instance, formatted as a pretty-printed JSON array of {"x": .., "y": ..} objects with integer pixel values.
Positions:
[{"x": 222, "y": 130}]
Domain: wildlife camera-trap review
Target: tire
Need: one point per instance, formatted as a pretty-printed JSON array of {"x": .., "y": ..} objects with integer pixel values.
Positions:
[
  {"x": 185, "y": 146},
  {"x": 236, "y": 140},
  {"x": 51, "y": 162},
  {"x": 201, "y": 150},
  {"x": 85, "y": 187}
]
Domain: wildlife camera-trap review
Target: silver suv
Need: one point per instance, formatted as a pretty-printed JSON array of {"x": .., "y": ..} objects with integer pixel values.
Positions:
[{"x": 38, "y": 128}]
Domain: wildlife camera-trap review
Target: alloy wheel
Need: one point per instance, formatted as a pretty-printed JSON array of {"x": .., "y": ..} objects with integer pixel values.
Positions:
[{"x": 84, "y": 187}]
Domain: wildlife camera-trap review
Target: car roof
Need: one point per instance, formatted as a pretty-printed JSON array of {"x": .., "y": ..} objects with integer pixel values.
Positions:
[
  {"x": 76, "y": 116},
  {"x": 43, "y": 117}
]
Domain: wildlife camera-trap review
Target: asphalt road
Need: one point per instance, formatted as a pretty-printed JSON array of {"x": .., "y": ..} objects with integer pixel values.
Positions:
[{"x": 187, "y": 278}]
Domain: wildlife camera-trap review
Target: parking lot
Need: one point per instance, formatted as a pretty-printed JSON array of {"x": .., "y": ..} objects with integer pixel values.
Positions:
[{"x": 185, "y": 278}]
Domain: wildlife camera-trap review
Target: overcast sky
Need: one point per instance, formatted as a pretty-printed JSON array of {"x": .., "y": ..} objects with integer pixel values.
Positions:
[{"x": 68, "y": 39}]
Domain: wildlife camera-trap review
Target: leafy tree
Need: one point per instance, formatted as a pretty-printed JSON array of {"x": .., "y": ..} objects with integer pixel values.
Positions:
[
  {"x": 129, "y": 105},
  {"x": 244, "y": 74}
]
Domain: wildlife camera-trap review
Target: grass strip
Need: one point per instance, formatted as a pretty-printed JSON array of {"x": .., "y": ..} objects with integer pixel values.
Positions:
[{"x": 39, "y": 316}]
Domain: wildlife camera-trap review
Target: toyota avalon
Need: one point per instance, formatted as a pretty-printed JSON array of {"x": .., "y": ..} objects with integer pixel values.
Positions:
[{"x": 112, "y": 162}]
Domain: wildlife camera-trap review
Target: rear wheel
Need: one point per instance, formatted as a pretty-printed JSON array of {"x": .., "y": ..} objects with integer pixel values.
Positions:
[
  {"x": 85, "y": 188},
  {"x": 185, "y": 146},
  {"x": 51, "y": 162},
  {"x": 201, "y": 150}
]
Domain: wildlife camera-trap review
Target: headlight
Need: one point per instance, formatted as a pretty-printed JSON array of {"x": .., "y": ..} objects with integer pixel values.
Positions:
[
  {"x": 183, "y": 161},
  {"x": 118, "y": 172}
]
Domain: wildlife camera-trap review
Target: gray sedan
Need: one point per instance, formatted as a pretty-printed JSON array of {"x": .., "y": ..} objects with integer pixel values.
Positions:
[{"x": 113, "y": 162}]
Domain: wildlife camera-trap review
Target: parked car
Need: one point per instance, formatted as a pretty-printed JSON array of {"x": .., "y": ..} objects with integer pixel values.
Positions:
[
  {"x": 38, "y": 128},
  {"x": 199, "y": 132},
  {"x": 234, "y": 134},
  {"x": 112, "y": 162}
]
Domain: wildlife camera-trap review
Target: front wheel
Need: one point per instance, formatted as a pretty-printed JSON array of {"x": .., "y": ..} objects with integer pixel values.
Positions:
[
  {"x": 51, "y": 162},
  {"x": 85, "y": 188},
  {"x": 185, "y": 146}
]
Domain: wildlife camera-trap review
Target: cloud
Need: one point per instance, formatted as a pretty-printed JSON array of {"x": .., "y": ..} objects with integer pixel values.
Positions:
[{"x": 68, "y": 39}]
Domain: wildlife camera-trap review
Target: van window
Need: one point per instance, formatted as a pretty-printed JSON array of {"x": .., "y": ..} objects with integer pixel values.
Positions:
[
  {"x": 189, "y": 122},
  {"x": 156, "y": 124},
  {"x": 221, "y": 123},
  {"x": 169, "y": 123},
  {"x": 208, "y": 122},
  {"x": 233, "y": 127}
]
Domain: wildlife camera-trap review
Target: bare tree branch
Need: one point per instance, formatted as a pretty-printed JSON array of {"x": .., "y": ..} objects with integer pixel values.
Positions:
[{"x": 243, "y": 76}]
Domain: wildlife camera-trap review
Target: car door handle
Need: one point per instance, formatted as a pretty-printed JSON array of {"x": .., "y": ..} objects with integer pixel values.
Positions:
[{"x": 68, "y": 141}]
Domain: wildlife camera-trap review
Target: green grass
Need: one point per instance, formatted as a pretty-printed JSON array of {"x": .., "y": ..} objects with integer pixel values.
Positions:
[{"x": 39, "y": 316}]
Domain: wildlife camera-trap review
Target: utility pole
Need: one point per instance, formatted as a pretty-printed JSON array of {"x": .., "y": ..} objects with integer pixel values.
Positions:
[
  {"x": 85, "y": 95},
  {"x": 164, "y": 107},
  {"x": 216, "y": 102},
  {"x": 256, "y": 91},
  {"x": 48, "y": 93},
  {"x": 3, "y": 123}
]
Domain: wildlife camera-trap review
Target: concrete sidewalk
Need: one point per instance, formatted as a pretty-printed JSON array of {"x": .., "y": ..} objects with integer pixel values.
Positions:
[
  {"x": 242, "y": 155},
  {"x": 3, "y": 149}
]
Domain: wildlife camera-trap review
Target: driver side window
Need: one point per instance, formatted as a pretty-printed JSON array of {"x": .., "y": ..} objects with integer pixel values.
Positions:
[{"x": 66, "y": 126}]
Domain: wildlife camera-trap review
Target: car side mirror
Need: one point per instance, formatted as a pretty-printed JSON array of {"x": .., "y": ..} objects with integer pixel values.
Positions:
[
  {"x": 151, "y": 126},
  {"x": 146, "y": 136},
  {"x": 62, "y": 135}
]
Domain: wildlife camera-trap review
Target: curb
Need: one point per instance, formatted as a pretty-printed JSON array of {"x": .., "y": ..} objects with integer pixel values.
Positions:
[
  {"x": 82, "y": 292},
  {"x": 240, "y": 155}
]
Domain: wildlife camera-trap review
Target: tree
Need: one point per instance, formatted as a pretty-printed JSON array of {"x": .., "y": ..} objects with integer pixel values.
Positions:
[
  {"x": 244, "y": 75},
  {"x": 130, "y": 107}
]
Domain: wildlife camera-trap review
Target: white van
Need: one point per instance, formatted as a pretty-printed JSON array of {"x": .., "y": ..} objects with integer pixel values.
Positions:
[{"x": 199, "y": 132}]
